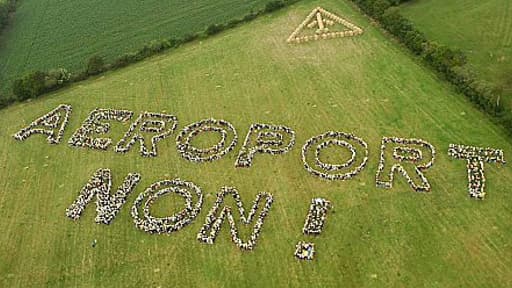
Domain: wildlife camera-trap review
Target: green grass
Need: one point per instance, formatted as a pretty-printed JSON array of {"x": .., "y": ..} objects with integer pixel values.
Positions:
[
  {"x": 50, "y": 34},
  {"x": 482, "y": 29},
  {"x": 373, "y": 238}
]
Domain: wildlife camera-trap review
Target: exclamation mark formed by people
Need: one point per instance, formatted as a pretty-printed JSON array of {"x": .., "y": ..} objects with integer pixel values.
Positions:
[{"x": 313, "y": 225}]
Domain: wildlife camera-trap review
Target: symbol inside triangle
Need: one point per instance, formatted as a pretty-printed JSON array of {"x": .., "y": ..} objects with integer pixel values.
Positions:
[{"x": 322, "y": 24}]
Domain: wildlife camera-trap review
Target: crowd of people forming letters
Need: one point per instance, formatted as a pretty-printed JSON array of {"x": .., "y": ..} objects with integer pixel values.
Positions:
[
  {"x": 269, "y": 139},
  {"x": 215, "y": 218},
  {"x": 313, "y": 225},
  {"x": 316, "y": 217},
  {"x": 107, "y": 205},
  {"x": 213, "y": 153},
  {"x": 475, "y": 158},
  {"x": 147, "y": 122},
  {"x": 330, "y": 171},
  {"x": 175, "y": 222},
  {"x": 261, "y": 138},
  {"x": 51, "y": 122},
  {"x": 405, "y": 154},
  {"x": 93, "y": 124}
]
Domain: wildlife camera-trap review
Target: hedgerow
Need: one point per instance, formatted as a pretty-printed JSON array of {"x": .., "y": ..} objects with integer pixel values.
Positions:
[
  {"x": 448, "y": 62},
  {"x": 36, "y": 83}
]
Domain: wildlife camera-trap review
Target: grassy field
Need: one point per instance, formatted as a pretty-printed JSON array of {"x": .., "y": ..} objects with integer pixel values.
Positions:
[
  {"x": 482, "y": 29},
  {"x": 50, "y": 34},
  {"x": 373, "y": 237}
]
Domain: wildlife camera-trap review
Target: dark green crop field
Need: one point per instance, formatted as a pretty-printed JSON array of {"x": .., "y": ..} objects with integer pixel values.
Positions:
[{"x": 49, "y": 34}]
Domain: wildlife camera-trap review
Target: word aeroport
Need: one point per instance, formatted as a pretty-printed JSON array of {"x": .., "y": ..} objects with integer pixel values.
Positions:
[{"x": 410, "y": 157}]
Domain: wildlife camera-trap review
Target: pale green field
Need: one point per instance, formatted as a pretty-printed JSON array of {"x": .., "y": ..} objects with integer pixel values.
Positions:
[
  {"x": 373, "y": 238},
  {"x": 482, "y": 29}
]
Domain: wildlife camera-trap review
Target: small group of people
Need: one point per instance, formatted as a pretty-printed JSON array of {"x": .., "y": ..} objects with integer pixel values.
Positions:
[
  {"x": 331, "y": 171},
  {"x": 475, "y": 158},
  {"x": 401, "y": 154},
  {"x": 269, "y": 139},
  {"x": 175, "y": 222},
  {"x": 316, "y": 217},
  {"x": 213, "y": 153},
  {"x": 304, "y": 250},
  {"x": 50, "y": 121},
  {"x": 219, "y": 213},
  {"x": 93, "y": 124},
  {"x": 148, "y": 122},
  {"x": 107, "y": 205}
]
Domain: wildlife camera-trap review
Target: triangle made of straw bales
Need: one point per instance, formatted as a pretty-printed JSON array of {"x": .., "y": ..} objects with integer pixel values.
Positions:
[{"x": 316, "y": 15}]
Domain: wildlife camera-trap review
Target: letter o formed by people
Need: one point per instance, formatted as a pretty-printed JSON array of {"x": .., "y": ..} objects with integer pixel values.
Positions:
[
  {"x": 228, "y": 140},
  {"x": 189, "y": 191},
  {"x": 316, "y": 163}
]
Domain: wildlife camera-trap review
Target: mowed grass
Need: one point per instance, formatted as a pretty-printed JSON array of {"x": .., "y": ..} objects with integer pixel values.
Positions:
[
  {"x": 373, "y": 237},
  {"x": 482, "y": 29},
  {"x": 52, "y": 34}
]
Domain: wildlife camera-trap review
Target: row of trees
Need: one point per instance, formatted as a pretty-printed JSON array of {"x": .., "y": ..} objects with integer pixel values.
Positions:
[
  {"x": 6, "y": 8},
  {"x": 449, "y": 63},
  {"x": 37, "y": 83}
]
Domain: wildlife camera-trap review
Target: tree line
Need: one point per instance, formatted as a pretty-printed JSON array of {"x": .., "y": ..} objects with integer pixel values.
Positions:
[
  {"x": 6, "y": 7},
  {"x": 37, "y": 83}
]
